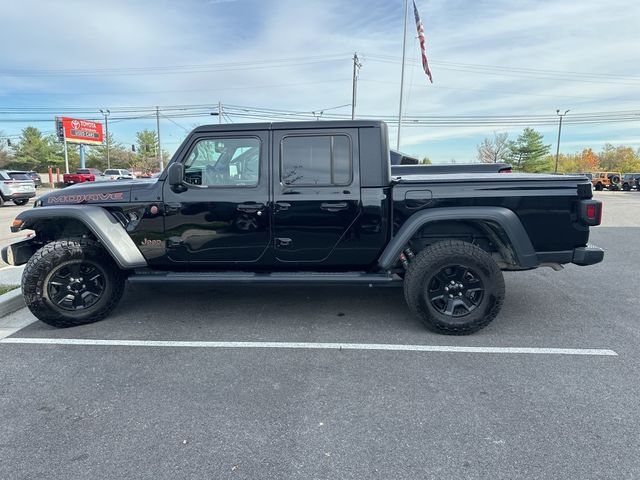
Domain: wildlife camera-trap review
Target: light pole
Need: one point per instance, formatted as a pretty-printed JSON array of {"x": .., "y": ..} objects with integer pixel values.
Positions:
[
  {"x": 559, "y": 131},
  {"x": 106, "y": 114}
]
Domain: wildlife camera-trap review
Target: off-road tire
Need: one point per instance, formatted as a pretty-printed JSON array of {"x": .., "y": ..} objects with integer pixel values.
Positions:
[
  {"x": 626, "y": 187},
  {"x": 599, "y": 187},
  {"x": 45, "y": 261},
  {"x": 430, "y": 262},
  {"x": 21, "y": 202}
]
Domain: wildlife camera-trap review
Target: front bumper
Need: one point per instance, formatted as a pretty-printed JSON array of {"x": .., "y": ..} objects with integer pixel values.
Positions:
[
  {"x": 588, "y": 255},
  {"x": 19, "y": 253}
]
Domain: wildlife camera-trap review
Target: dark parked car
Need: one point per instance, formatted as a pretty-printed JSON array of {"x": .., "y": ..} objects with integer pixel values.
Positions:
[
  {"x": 296, "y": 203},
  {"x": 37, "y": 180},
  {"x": 630, "y": 181}
]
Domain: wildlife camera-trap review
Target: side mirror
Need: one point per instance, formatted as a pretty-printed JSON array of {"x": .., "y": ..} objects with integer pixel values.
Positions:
[{"x": 175, "y": 174}]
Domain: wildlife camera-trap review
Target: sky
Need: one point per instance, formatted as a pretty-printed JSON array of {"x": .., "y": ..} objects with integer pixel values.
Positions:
[{"x": 488, "y": 58}]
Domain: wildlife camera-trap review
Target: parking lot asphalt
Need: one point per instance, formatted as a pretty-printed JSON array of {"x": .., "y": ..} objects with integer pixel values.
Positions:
[{"x": 168, "y": 410}]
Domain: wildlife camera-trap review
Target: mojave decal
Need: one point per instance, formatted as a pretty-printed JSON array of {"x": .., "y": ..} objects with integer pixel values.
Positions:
[{"x": 86, "y": 197}]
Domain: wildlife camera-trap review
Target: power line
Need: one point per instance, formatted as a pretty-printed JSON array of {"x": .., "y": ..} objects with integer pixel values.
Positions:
[{"x": 176, "y": 69}]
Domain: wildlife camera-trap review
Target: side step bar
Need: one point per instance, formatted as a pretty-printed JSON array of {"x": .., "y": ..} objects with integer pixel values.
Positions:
[{"x": 330, "y": 278}]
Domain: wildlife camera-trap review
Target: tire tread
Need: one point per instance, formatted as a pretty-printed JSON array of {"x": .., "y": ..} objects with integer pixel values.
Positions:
[
  {"x": 422, "y": 264},
  {"x": 46, "y": 259}
]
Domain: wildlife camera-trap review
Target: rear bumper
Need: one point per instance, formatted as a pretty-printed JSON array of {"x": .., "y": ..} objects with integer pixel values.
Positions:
[
  {"x": 588, "y": 255},
  {"x": 19, "y": 195},
  {"x": 583, "y": 256}
]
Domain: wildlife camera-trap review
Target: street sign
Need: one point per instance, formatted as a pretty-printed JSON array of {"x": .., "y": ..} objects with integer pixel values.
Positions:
[{"x": 82, "y": 131}]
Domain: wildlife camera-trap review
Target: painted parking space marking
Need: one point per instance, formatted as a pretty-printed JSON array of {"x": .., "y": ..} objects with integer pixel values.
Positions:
[{"x": 311, "y": 346}]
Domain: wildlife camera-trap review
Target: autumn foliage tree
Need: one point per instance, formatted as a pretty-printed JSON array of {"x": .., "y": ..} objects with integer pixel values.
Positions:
[{"x": 588, "y": 161}]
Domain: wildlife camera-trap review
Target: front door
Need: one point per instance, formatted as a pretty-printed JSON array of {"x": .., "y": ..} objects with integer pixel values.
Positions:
[
  {"x": 223, "y": 215},
  {"x": 316, "y": 192}
]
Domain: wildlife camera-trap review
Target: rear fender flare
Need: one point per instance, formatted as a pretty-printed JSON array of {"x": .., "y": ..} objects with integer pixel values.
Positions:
[
  {"x": 503, "y": 217},
  {"x": 98, "y": 221}
]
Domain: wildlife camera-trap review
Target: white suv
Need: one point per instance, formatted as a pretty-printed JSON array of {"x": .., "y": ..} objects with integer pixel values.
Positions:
[
  {"x": 16, "y": 186},
  {"x": 118, "y": 174}
]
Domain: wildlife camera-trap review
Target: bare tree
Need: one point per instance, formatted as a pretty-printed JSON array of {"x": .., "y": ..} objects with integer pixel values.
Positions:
[{"x": 494, "y": 150}]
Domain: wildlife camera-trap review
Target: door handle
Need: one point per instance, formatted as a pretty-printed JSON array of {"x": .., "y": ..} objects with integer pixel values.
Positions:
[
  {"x": 250, "y": 207},
  {"x": 334, "y": 207},
  {"x": 282, "y": 206}
]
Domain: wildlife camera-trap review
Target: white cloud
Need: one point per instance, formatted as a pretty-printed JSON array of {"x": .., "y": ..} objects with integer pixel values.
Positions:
[{"x": 589, "y": 36}]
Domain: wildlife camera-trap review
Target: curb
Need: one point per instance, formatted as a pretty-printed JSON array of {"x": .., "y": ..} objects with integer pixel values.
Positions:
[{"x": 11, "y": 302}]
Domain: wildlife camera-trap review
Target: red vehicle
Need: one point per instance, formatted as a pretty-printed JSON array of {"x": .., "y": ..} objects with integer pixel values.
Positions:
[{"x": 82, "y": 175}]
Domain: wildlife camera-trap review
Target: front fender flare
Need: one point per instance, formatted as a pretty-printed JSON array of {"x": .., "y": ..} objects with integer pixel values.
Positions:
[
  {"x": 505, "y": 218},
  {"x": 101, "y": 223}
]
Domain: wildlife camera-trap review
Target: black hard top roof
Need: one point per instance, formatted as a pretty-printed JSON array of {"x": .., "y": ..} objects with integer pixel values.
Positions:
[{"x": 289, "y": 125}]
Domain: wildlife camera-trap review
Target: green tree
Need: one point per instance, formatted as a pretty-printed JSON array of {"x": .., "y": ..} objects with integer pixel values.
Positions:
[
  {"x": 119, "y": 156},
  {"x": 34, "y": 151},
  {"x": 425, "y": 161},
  {"x": 631, "y": 165},
  {"x": 529, "y": 153},
  {"x": 146, "y": 158},
  {"x": 612, "y": 158}
]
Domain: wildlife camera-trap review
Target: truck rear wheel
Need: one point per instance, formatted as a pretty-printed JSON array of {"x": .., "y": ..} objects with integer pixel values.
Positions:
[
  {"x": 456, "y": 288},
  {"x": 72, "y": 282}
]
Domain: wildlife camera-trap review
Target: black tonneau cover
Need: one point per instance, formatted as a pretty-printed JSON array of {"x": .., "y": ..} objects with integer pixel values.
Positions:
[{"x": 488, "y": 177}]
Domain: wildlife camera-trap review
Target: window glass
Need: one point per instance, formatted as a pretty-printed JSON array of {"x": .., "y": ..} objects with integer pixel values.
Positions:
[
  {"x": 224, "y": 161},
  {"x": 341, "y": 161},
  {"x": 19, "y": 176},
  {"x": 316, "y": 160}
]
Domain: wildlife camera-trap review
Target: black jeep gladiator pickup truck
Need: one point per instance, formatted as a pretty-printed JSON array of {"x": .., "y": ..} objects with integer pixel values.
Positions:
[{"x": 310, "y": 203}]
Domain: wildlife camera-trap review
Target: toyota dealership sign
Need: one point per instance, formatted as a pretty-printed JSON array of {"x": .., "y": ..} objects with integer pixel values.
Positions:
[{"x": 76, "y": 130}]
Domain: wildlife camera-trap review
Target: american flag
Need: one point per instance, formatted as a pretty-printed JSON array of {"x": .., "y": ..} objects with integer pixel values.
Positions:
[{"x": 420, "y": 28}]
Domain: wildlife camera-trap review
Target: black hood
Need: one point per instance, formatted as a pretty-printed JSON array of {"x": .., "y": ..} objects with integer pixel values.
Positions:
[{"x": 93, "y": 192}]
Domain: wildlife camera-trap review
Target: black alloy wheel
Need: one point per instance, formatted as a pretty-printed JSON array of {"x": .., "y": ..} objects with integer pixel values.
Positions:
[
  {"x": 454, "y": 287},
  {"x": 456, "y": 291},
  {"x": 72, "y": 281},
  {"x": 76, "y": 285}
]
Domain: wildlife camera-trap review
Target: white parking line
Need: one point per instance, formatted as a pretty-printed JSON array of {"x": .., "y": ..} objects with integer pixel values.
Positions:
[{"x": 310, "y": 346}]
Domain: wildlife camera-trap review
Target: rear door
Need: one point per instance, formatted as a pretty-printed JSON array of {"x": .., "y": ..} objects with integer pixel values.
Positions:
[
  {"x": 223, "y": 216},
  {"x": 316, "y": 192}
]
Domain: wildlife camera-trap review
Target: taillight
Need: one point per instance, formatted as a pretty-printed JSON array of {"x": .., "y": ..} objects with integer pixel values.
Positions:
[{"x": 591, "y": 212}]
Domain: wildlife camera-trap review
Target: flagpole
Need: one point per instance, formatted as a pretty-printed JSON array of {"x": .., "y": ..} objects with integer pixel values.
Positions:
[{"x": 404, "y": 50}]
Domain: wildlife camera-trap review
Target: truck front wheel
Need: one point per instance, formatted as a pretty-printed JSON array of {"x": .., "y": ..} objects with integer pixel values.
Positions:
[
  {"x": 72, "y": 282},
  {"x": 456, "y": 288}
]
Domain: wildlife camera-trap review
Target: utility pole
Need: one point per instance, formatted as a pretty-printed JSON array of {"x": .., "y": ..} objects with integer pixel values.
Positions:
[
  {"x": 82, "y": 164},
  {"x": 106, "y": 114},
  {"x": 219, "y": 112},
  {"x": 354, "y": 91},
  {"x": 559, "y": 130},
  {"x": 160, "y": 162},
  {"x": 404, "y": 51},
  {"x": 66, "y": 156}
]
